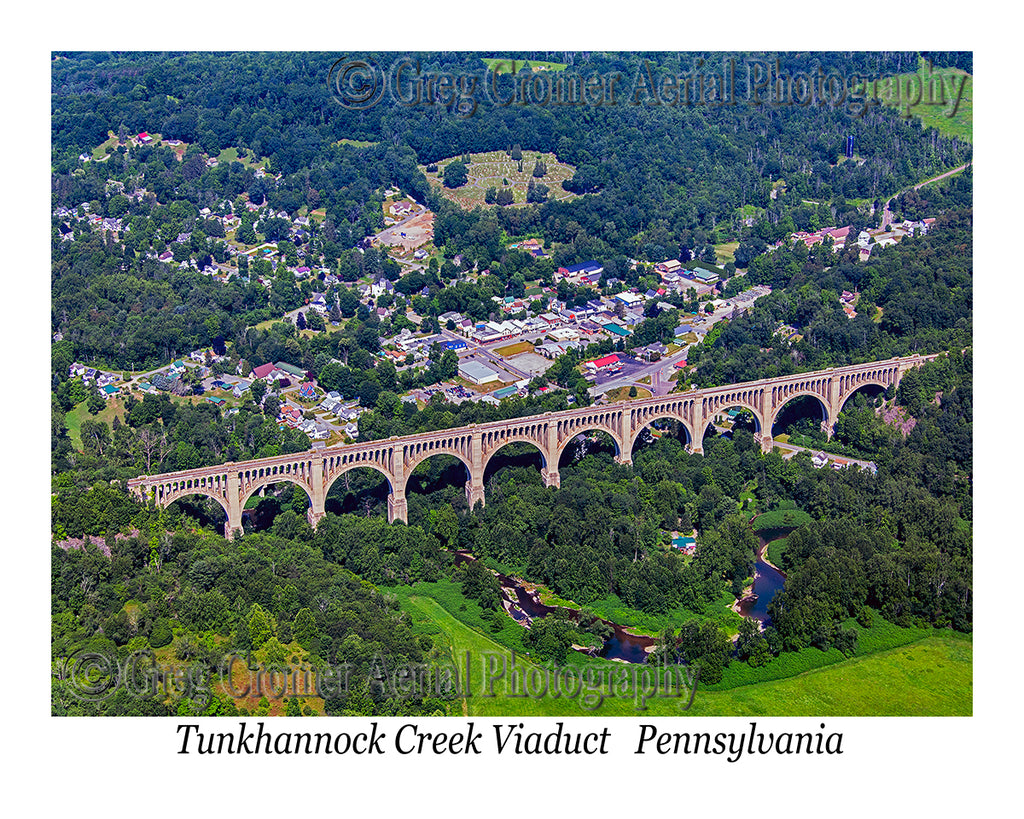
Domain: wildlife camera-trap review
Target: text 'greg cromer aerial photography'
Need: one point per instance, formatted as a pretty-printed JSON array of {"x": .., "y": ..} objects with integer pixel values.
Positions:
[{"x": 512, "y": 384}]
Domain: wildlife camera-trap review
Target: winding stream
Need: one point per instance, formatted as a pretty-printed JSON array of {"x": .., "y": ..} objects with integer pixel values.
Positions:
[
  {"x": 524, "y": 605},
  {"x": 768, "y": 581}
]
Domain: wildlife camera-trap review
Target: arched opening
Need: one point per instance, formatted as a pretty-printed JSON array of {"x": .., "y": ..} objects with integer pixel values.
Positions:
[
  {"x": 436, "y": 480},
  {"x": 203, "y": 511},
  {"x": 658, "y": 428},
  {"x": 265, "y": 503},
  {"x": 859, "y": 425},
  {"x": 587, "y": 444},
  {"x": 361, "y": 490},
  {"x": 866, "y": 395},
  {"x": 514, "y": 455},
  {"x": 800, "y": 421},
  {"x": 728, "y": 421}
]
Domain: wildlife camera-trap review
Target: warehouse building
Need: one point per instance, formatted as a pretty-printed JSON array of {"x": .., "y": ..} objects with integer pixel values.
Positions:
[{"x": 477, "y": 373}]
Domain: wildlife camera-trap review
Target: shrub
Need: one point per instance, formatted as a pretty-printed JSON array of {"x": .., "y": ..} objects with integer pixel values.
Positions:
[{"x": 161, "y": 634}]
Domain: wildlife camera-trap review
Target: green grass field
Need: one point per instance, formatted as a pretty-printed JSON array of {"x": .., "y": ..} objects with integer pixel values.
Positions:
[
  {"x": 726, "y": 253},
  {"x": 775, "y": 550},
  {"x": 622, "y": 394},
  {"x": 73, "y": 419},
  {"x": 100, "y": 151},
  {"x": 930, "y": 677},
  {"x": 514, "y": 349},
  {"x": 229, "y": 155},
  {"x": 507, "y": 66},
  {"x": 936, "y": 111}
]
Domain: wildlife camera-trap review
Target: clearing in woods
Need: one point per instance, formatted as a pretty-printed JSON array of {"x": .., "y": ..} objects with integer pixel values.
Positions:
[{"x": 492, "y": 170}]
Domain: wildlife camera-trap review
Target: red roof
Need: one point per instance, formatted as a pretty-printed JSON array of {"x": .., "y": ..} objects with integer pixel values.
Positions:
[
  {"x": 143, "y": 135},
  {"x": 604, "y": 362},
  {"x": 263, "y": 370},
  {"x": 680, "y": 364}
]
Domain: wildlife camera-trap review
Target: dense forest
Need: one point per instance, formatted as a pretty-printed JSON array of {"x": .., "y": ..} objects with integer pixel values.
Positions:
[{"x": 703, "y": 163}]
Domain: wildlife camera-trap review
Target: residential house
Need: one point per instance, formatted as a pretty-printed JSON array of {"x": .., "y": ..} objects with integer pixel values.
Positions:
[{"x": 264, "y": 371}]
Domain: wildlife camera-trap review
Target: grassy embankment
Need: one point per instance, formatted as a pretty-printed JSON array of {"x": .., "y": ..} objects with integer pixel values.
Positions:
[{"x": 897, "y": 671}]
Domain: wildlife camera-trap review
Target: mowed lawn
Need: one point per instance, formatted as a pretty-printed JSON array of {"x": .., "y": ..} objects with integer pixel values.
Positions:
[{"x": 929, "y": 677}]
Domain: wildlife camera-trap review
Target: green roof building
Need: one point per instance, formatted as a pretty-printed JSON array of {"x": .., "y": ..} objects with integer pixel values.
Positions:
[{"x": 291, "y": 370}]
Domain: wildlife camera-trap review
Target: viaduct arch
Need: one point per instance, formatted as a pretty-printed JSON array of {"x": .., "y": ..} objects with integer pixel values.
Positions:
[{"x": 315, "y": 470}]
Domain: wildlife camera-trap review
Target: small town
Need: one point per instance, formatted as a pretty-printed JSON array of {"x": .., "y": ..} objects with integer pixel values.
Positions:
[{"x": 497, "y": 358}]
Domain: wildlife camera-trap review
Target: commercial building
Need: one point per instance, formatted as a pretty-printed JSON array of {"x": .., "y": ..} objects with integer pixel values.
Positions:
[
  {"x": 506, "y": 392},
  {"x": 477, "y": 373},
  {"x": 601, "y": 363}
]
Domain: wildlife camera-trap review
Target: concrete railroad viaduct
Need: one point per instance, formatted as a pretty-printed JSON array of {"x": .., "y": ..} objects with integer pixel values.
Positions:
[{"x": 231, "y": 484}]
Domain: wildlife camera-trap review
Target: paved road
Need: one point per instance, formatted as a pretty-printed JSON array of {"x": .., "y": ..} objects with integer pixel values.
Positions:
[
  {"x": 478, "y": 351},
  {"x": 789, "y": 450},
  {"x": 143, "y": 376},
  {"x": 887, "y": 214},
  {"x": 662, "y": 368}
]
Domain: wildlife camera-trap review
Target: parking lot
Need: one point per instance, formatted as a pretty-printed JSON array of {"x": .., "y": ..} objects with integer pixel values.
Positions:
[
  {"x": 530, "y": 363},
  {"x": 626, "y": 368}
]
